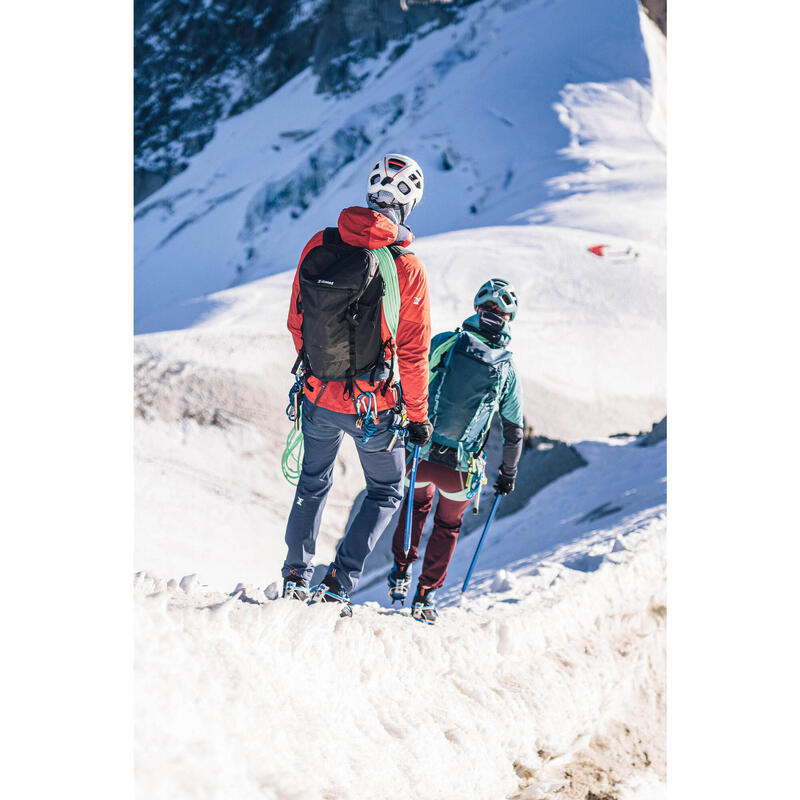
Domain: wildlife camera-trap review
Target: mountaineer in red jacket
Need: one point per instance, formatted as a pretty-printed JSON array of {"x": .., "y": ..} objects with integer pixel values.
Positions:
[{"x": 360, "y": 319}]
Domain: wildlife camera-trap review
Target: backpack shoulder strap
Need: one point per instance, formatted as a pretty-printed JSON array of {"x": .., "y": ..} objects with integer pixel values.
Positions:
[
  {"x": 391, "y": 288},
  {"x": 434, "y": 362},
  {"x": 396, "y": 250},
  {"x": 331, "y": 236},
  {"x": 435, "y": 358}
]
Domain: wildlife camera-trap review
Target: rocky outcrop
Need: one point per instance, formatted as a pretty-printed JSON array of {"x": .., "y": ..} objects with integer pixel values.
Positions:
[
  {"x": 656, "y": 434},
  {"x": 352, "y": 30},
  {"x": 543, "y": 461},
  {"x": 198, "y": 63},
  {"x": 657, "y": 11}
]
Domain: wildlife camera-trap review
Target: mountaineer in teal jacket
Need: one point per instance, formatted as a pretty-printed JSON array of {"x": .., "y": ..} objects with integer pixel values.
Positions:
[{"x": 472, "y": 377}]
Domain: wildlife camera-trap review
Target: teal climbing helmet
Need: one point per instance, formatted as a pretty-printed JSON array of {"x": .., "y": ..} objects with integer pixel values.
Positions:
[{"x": 501, "y": 293}]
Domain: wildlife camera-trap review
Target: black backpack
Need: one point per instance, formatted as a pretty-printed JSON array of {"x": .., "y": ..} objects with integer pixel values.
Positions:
[{"x": 341, "y": 292}]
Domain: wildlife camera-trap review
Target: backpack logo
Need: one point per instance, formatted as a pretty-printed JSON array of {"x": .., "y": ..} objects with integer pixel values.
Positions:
[{"x": 327, "y": 283}]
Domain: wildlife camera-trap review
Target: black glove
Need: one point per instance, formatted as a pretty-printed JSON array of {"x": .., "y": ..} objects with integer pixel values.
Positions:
[
  {"x": 504, "y": 484},
  {"x": 420, "y": 432}
]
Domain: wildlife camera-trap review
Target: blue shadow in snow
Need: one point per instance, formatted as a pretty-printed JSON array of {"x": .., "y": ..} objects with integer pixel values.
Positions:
[
  {"x": 181, "y": 315},
  {"x": 584, "y": 562}
]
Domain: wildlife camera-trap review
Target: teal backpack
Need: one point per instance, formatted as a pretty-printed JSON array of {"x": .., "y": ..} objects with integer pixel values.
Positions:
[{"x": 465, "y": 386}]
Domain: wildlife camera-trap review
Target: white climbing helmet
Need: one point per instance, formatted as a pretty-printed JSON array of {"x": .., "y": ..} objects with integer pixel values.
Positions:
[
  {"x": 395, "y": 181},
  {"x": 501, "y": 293}
]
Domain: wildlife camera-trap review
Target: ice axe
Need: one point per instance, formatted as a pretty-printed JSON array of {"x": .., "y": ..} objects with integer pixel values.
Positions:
[
  {"x": 410, "y": 499},
  {"x": 480, "y": 542}
]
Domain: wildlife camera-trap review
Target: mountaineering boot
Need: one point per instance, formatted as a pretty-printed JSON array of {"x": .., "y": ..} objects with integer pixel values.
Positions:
[
  {"x": 399, "y": 581},
  {"x": 295, "y": 587},
  {"x": 330, "y": 591},
  {"x": 422, "y": 607}
]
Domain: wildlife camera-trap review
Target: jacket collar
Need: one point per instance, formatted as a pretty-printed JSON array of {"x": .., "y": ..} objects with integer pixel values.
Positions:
[
  {"x": 364, "y": 227},
  {"x": 473, "y": 325}
]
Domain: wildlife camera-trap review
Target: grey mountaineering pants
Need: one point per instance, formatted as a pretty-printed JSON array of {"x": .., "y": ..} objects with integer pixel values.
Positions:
[{"x": 383, "y": 471}]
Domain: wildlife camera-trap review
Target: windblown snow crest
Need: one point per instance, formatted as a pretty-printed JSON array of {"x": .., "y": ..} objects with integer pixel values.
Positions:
[{"x": 557, "y": 693}]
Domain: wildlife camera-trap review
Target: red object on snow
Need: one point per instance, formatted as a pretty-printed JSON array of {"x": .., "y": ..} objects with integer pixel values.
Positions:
[{"x": 597, "y": 249}]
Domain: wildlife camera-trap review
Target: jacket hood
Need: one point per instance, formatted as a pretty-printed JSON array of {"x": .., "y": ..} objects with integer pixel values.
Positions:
[
  {"x": 363, "y": 227},
  {"x": 473, "y": 324}
]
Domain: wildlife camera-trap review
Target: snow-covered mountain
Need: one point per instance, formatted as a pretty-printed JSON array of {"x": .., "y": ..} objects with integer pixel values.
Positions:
[
  {"x": 514, "y": 106},
  {"x": 196, "y": 64},
  {"x": 540, "y": 125}
]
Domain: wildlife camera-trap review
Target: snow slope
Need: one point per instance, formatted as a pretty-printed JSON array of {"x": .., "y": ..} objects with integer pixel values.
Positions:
[
  {"x": 589, "y": 339},
  {"x": 589, "y": 344},
  {"x": 545, "y": 681}
]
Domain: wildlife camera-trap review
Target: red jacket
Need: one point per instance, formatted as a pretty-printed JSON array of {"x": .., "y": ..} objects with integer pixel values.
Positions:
[{"x": 363, "y": 227}]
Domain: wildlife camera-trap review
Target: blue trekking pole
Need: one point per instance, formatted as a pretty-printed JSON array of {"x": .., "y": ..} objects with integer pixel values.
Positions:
[
  {"x": 414, "y": 463},
  {"x": 480, "y": 543}
]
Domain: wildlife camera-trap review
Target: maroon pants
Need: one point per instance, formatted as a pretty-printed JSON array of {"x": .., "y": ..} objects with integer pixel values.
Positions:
[{"x": 446, "y": 522}]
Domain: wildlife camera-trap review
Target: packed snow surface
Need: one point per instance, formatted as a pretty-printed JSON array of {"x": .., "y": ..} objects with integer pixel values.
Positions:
[{"x": 545, "y": 680}]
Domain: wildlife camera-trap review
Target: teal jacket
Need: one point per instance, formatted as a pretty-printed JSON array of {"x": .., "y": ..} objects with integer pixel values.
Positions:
[{"x": 510, "y": 406}]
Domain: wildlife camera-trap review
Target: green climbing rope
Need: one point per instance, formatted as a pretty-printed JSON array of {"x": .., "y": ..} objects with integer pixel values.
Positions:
[
  {"x": 391, "y": 289},
  {"x": 292, "y": 459}
]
